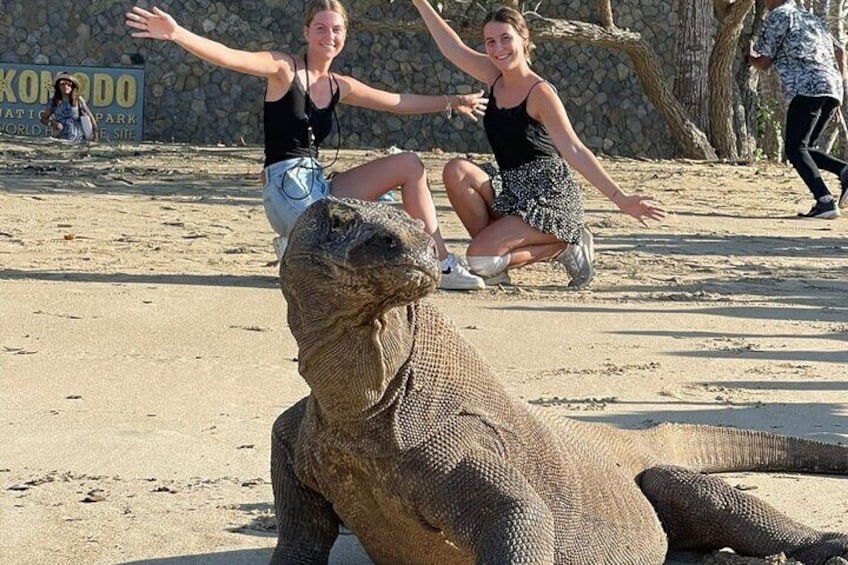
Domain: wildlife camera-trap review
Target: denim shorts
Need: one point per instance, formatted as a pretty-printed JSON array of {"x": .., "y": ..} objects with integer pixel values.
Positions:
[{"x": 291, "y": 186}]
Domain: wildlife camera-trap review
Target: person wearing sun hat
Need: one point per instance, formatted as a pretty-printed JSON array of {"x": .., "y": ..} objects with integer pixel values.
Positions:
[
  {"x": 66, "y": 110},
  {"x": 65, "y": 76}
]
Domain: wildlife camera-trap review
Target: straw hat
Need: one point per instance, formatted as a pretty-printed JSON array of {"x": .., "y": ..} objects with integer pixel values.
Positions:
[{"x": 65, "y": 76}]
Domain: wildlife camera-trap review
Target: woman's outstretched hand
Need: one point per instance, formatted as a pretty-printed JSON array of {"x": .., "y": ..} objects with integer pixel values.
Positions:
[
  {"x": 641, "y": 206},
  {"x": 472, "y": 105},
  {"x": 154, "y": 25}
]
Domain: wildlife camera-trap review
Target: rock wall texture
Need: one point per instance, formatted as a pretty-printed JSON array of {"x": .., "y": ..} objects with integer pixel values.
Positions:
[{"x": 187, "y": 100}]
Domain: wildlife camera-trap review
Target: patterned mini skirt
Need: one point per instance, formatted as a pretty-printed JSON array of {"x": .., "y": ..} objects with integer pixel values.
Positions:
[{"x": 543, "y": 193}]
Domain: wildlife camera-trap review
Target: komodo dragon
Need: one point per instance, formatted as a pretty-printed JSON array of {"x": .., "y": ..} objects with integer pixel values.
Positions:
[{"x": 409, "y": 440}]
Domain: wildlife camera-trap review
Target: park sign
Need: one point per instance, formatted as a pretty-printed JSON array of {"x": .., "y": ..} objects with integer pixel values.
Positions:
[{"x": 115, "y": 96}]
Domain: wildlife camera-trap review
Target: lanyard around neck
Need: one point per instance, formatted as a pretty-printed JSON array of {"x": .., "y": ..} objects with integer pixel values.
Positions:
[{"x": 307, "y": 111}]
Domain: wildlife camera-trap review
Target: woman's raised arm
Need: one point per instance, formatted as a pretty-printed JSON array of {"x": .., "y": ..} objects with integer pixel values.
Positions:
[
  {"x": 544, "y": 105},
  {"x": 160, "y": 25},
  {"x": 359, "y": 94},
  {"x": 452, "y": 47}
]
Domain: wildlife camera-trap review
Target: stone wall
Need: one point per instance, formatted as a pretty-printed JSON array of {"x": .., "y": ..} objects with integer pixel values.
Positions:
[{"x": 190, "y": 101}]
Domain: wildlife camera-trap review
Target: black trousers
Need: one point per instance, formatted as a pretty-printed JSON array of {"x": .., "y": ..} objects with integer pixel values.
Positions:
[{"x": 805, "y": 120}]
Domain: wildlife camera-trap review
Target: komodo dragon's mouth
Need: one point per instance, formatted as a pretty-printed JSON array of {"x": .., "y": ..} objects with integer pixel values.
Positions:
[
  {"x": 403, "y": 274},
  {"x": 411, "y": 270}
]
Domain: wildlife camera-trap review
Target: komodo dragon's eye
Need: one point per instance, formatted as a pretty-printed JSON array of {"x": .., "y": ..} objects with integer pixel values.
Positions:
[
  {"x": 382, "y": 242},
  {"x": 388, "y": 241}
]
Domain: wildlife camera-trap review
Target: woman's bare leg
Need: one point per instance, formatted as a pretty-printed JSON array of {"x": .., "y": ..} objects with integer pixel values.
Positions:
[
  {"x": 470, "y": 193},
  {"x": 377, "y": 177},
  {"x": 511, "y": 236}
]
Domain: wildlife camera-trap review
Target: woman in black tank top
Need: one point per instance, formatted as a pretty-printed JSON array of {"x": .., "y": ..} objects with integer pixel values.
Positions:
[
  {"x": 300, "y": 97},
  {"x": 528, "y": 208}
]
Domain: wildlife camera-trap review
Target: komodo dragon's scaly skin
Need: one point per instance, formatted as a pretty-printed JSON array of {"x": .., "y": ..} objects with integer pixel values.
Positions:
[{"x": 409, "y": 439}]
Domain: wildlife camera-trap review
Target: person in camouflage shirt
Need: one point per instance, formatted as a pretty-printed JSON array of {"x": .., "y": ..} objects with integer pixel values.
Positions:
[{"x": 810, "y": 67}]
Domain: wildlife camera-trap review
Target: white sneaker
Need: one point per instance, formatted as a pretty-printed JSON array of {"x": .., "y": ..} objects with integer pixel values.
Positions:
[
  {"x": 578, "y": 259},
  {"x": 456, "y": 277},
  {"x": 280, "y": 244}
]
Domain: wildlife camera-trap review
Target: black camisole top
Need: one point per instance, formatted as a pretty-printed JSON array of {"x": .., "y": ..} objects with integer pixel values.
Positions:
[
  {"x": 515, "y": 137},
  {"x": 286, "y": 123}
]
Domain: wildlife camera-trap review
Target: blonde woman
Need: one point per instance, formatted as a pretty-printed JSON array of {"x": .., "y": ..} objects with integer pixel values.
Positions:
[{"x": 300, "y": 98}]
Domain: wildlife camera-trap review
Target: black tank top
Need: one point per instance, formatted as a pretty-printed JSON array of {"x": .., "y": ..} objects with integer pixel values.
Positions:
[
  {"x": 287, "y": 124},
  {"x": 515, "y": 137}
]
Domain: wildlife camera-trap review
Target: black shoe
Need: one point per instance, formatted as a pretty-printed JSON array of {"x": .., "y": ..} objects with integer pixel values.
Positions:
[
  {"x": 843, "y": 184},
  {"x": 823, "y": 211}
]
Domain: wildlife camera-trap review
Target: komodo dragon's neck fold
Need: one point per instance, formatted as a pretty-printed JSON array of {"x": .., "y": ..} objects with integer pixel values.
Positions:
[{"x": 348, "y": 359}]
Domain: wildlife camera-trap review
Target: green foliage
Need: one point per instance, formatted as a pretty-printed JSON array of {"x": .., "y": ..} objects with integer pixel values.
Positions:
[
  {"x": 770, "y": 129},
  {"x": 768, "y": 117}
]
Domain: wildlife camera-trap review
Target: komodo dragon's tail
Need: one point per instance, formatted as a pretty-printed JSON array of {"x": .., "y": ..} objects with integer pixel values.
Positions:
[{"x": 715, "y": 449}]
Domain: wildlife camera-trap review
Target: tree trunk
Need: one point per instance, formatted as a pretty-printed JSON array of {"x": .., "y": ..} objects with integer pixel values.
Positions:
[
  {"x": 772, "y": 117},
  {"x": 768, "y": 107},
  {"x": 745, "y": 112},
  {"x": 746, "y": 95},
  {"x": 835, "y": 18},
  {"x": 731, "y": 16},
  {"x": 695, "y": 31}
]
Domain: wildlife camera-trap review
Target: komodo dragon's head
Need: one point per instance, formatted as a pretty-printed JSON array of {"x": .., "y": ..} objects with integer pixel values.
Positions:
[
  {"x": 358, "y": 255},
  {"x": 351, "y": 274}
]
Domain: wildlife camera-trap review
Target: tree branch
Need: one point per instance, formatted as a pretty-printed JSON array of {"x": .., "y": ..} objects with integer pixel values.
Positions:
[{"x": 605, "y": 13}]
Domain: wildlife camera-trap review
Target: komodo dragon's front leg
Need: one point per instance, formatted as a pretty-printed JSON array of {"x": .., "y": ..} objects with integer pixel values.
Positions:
[
  {"x": 483, "y": 506},
  {"x": 307, "y": 526},
  {"x": 702, "y": 511}
]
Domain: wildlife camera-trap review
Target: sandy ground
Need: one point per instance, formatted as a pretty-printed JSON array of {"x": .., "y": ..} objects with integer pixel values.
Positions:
[{"x": 144, "y": 351}]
